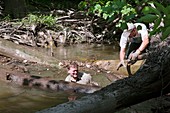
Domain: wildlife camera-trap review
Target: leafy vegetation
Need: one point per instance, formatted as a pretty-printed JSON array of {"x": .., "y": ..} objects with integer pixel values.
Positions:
[
  {"x": 47, "y": 20},
  {"x": 118, "y": 10},
  {"x": 159, "y": 15},
  {"x": 108, "y": 17},
  {"x": 123, "y": 11}
]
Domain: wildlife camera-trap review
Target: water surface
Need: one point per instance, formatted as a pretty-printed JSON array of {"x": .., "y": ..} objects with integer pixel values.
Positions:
[{"x": 16, "y": 99}]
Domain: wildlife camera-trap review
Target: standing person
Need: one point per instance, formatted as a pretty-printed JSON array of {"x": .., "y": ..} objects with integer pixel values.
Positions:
[
  {"x": 78, "y": 77},
  {"x": 133, "y": 42}
]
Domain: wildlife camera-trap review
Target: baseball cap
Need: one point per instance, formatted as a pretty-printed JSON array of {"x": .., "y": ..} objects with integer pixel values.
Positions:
[{"x": 130, "y": 26}]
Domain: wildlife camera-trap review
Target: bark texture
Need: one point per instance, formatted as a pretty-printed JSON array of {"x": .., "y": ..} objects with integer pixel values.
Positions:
[{"x": 151, "y": 80}]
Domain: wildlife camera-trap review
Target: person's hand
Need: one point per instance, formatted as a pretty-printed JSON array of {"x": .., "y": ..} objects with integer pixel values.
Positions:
[
  {"x": 121, "y": 63},
  {"x": 134, "y": 56}
]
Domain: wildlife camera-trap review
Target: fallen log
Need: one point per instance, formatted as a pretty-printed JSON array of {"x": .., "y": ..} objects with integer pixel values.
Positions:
[
  {"x": 150, "y": 81},
  {"x": 50, "y": 84}
]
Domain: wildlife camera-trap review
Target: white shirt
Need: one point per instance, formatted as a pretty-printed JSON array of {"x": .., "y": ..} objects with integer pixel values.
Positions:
[
  {"x": 84, "y": 78},
  {"x": 125, "y": 35}
]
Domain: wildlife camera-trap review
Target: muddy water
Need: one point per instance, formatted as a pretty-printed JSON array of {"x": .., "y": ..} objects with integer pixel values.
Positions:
[
  {"x": 15, "y": 99},
  {"x": 87, "y": 52}
]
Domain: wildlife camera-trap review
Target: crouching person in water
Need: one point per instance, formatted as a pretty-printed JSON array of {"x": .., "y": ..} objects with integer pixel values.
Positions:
[{"x": 79, "y": 77}]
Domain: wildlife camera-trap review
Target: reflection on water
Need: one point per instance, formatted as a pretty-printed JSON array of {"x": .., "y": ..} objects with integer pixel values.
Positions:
[
  {"x": 14, "y": 99},
  {"x": 86, "y": 52}
]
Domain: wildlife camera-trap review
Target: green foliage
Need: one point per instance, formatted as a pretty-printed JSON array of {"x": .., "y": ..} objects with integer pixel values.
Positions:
[
  {"x": 7, "y": 18},
  {"x": 122, "y": 11},
  {"x": 110, "y": 10},
  {"x": 48, "y": 20},
  {"x": 160, "y": 16},
  {"x": 148, "y": 18}
]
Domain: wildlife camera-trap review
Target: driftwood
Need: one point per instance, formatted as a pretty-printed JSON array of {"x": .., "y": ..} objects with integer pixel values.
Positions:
[
  {"x": 50, "y": 84},
  {"x": 151, "y": 80},
  {"x": 71, "y": 27}
]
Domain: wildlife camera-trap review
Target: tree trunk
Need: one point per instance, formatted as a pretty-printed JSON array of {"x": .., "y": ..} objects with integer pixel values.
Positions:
[
  {"x": 15, "y": 8},
  {"x": 151, "y": 80}
]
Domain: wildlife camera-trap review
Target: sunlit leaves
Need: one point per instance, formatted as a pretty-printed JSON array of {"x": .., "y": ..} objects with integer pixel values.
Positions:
[
  {"x": 160, "y": 16},
  {"x": 48, "y": 20},
  {"x": 124, "y": 11},
  {"x": 111, "y": 10},
  {"x": 149, "y": 9},
  {"x": 97, "y": 9},
  {"x": 127, "y": 10}
]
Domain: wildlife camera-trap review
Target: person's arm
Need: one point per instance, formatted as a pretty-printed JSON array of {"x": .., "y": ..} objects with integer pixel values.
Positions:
[
  {"x": 144, "y": 36},
  {"x": 123, "y": 43},
  {"x": 122, "y": 54},
  {"x": 122, "y": 57},
  {"x": 144, "y": 44}
]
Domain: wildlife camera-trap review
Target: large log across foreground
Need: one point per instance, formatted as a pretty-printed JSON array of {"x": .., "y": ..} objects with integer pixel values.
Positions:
[{"x": 151, "y": 80}]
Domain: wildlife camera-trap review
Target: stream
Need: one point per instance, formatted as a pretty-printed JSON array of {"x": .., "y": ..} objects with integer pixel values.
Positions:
[{"x": 17, "y": 99}]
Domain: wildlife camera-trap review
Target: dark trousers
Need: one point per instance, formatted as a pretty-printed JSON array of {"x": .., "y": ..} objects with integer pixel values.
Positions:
[{"x": 132, "y": 47}]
